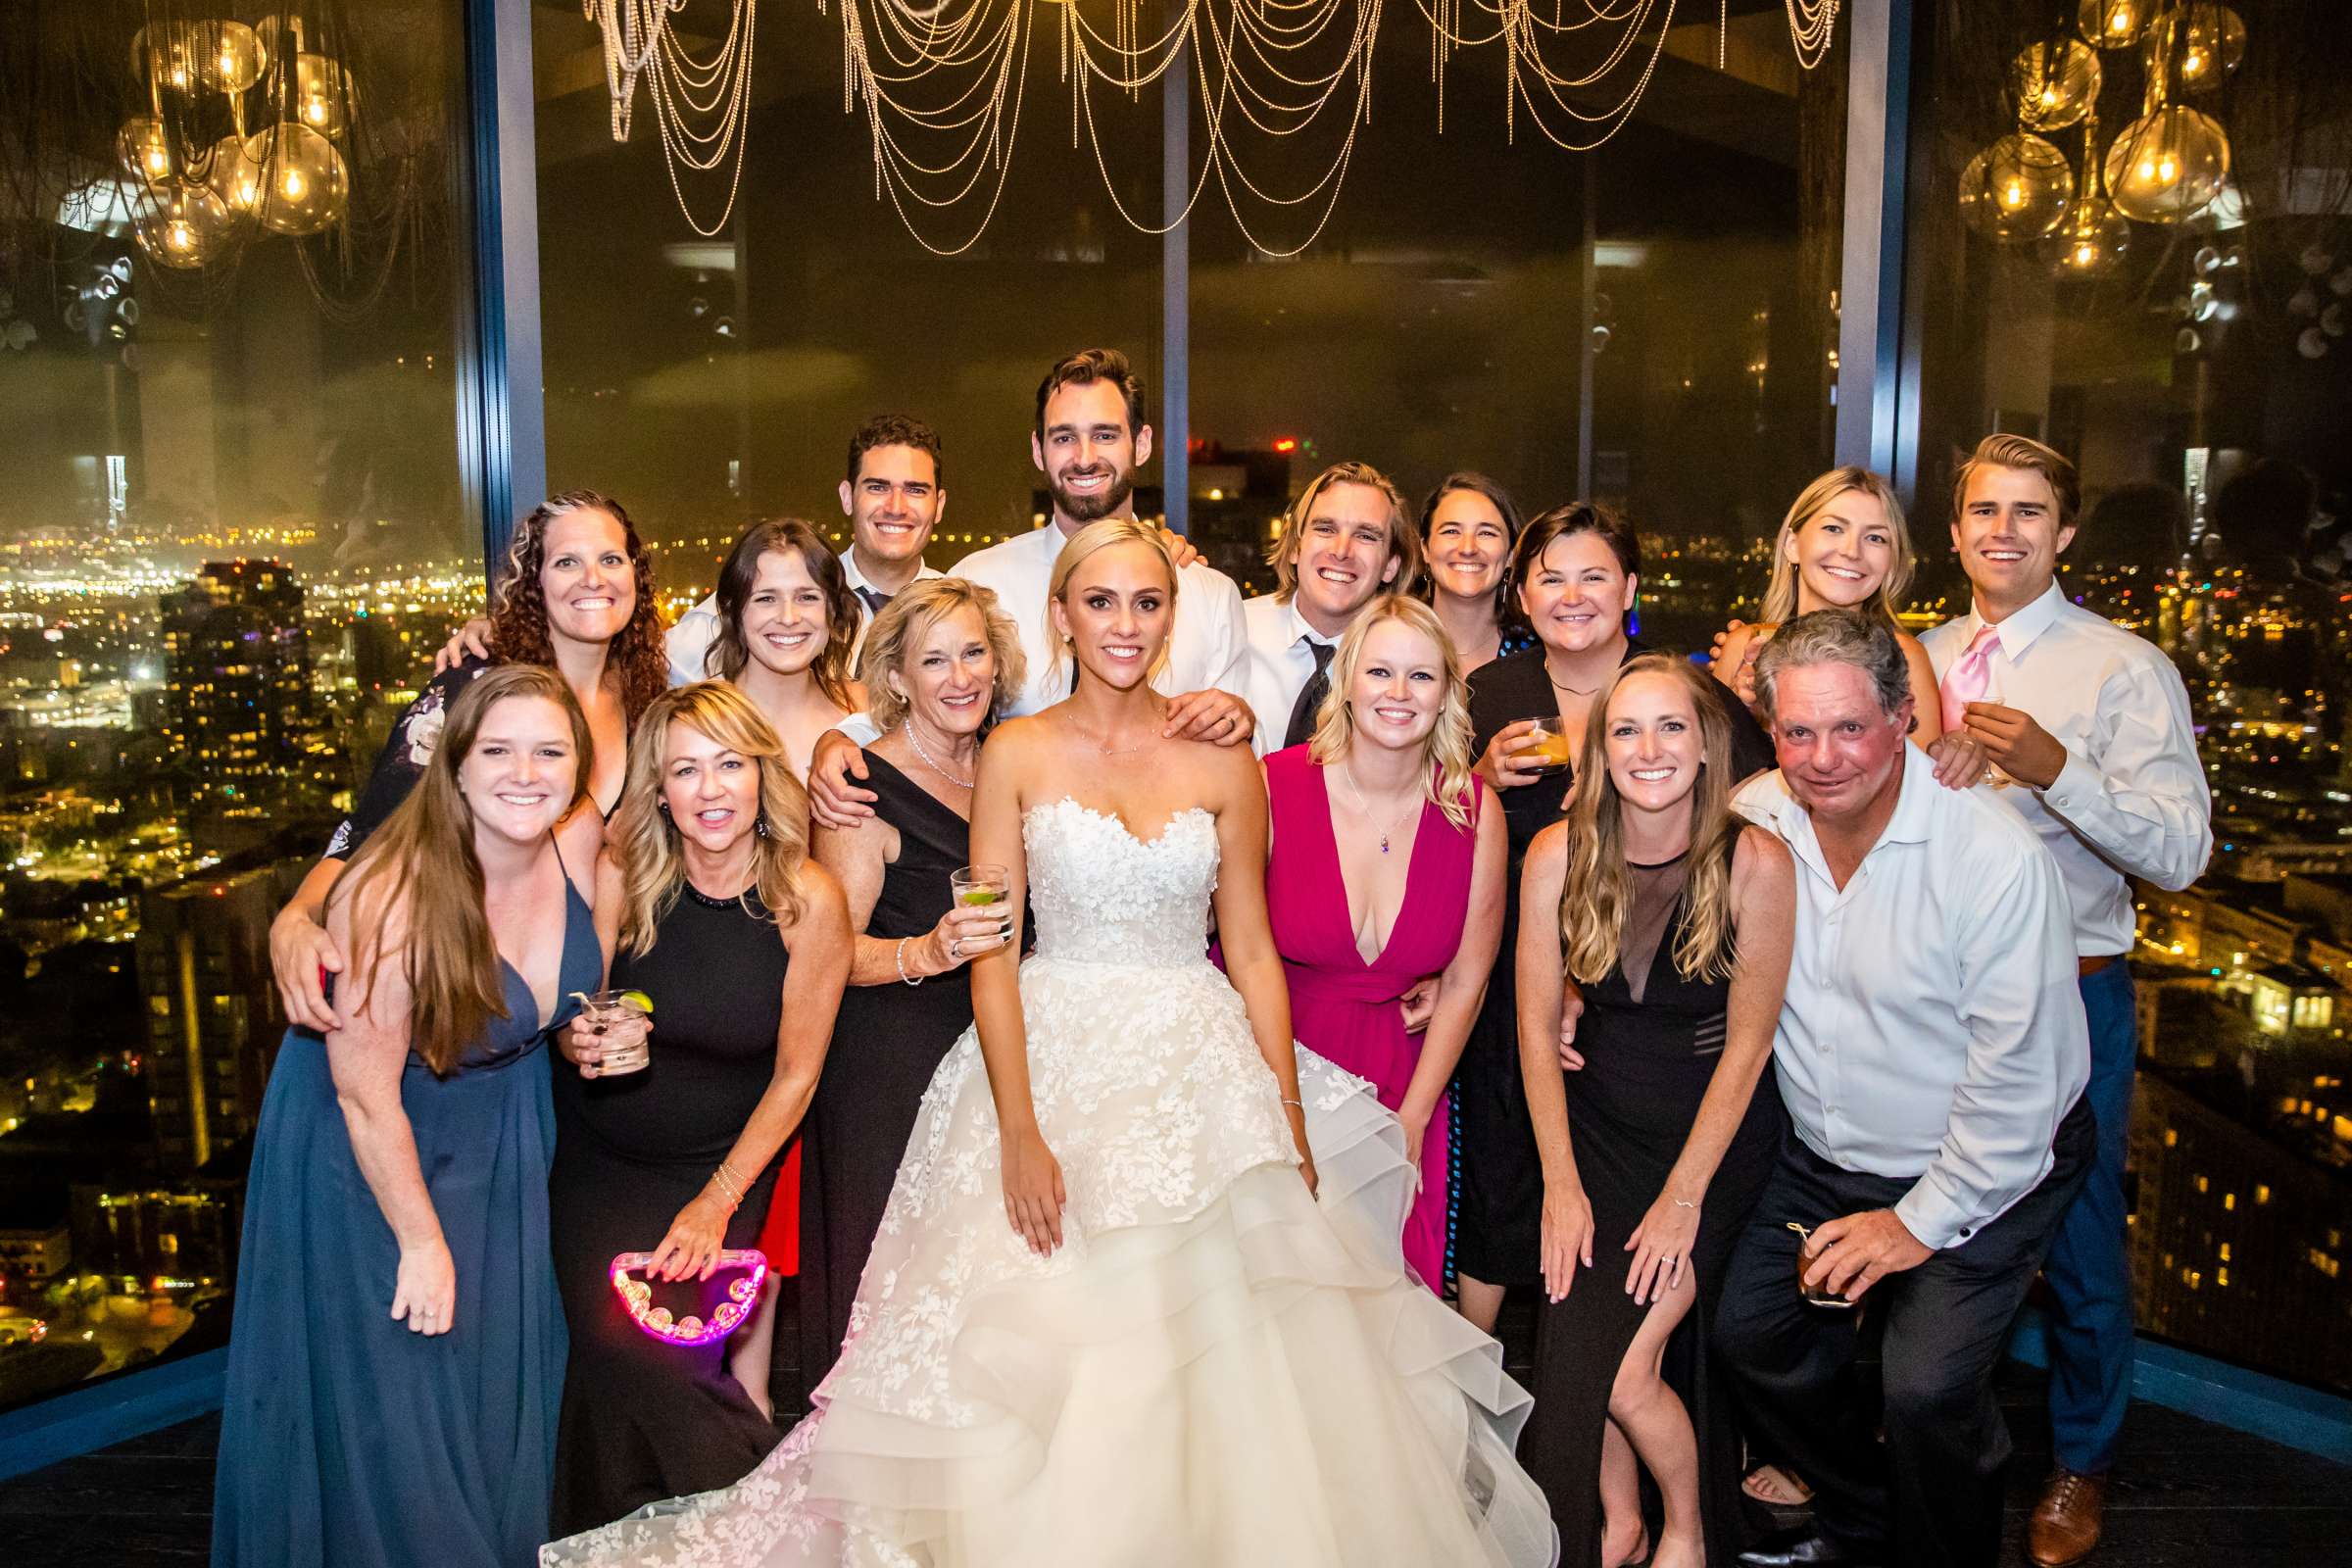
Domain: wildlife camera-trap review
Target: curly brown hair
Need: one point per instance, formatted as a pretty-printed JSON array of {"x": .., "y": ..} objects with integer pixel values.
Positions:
[{"x": 519, "y": 609}]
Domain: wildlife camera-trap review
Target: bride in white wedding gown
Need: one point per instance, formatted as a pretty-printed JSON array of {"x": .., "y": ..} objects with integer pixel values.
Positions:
[{"x": 1118, "y": 1314}]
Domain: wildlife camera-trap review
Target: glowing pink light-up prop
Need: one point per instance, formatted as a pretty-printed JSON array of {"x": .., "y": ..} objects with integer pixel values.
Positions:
[{"x": 637, "y": 1299}]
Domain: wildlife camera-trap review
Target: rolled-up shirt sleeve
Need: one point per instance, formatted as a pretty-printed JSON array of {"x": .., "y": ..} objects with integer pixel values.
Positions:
[
  {"x": 2143, "y": 804},
  {"x": 688, "y": 643},
  {"x": 2028, "y": 1055}
]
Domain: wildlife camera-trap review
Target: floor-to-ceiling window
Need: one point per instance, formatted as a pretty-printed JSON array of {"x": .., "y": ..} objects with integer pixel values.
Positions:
[
  {"x": 231, "y": 530},
  {"x": 2179, "y": 331}
]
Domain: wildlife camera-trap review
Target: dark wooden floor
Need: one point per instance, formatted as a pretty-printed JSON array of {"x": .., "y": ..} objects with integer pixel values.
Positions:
[{"x": 2187, "y": 1493}]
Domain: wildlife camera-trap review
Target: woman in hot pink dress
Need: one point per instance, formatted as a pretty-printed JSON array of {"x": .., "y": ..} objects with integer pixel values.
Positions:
[{"x": 1387, "y": 867}]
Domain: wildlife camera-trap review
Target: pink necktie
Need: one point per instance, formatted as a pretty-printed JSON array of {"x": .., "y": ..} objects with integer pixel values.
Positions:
[{"x": 1968, "y": 678}]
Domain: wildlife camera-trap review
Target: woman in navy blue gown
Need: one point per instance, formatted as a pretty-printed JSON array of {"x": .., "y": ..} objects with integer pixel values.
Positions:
[{"x": 398, "y": 1346}]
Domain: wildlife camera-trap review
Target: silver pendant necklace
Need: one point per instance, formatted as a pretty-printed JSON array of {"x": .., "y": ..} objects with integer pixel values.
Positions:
[{"x": 1348, "y": 778}]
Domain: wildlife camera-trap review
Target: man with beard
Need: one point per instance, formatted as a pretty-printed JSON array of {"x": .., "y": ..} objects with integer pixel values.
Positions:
[{"x": 1089, "y": 440}]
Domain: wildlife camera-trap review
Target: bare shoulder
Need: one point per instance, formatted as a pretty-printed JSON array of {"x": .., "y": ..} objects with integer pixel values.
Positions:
[
  {"x": 1760, "y": 858},
  {"x": 1548, "y": 856},
  {"x": 827, "y": 906},
  {"x": 1014, "y": 745}
]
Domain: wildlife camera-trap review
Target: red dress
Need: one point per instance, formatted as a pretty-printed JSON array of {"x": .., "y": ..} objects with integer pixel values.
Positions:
[
  {"x": 780, "y": 1237},
  {"x": 1348, "y": 1010}
]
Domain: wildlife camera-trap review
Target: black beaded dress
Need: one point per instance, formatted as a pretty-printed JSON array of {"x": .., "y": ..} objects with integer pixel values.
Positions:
[
  {"x": 887, "y": 1042},
  {"x": 645, "y": 1419},
  {"x": 1651, "y": 1050}
]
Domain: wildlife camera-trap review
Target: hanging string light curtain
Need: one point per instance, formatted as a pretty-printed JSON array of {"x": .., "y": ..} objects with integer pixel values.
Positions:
[{"x": 943, "y": 84}]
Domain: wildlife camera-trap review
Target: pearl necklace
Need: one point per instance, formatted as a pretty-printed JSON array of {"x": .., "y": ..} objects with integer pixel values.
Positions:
[{"x": 932, "y": 762}]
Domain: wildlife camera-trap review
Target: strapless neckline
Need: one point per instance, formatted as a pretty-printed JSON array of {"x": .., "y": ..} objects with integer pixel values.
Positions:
[{"x": 1115, "y": 819}]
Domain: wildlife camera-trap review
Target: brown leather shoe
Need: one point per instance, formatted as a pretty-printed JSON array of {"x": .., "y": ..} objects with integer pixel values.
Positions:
[{"x": 2065, "y": 1527}]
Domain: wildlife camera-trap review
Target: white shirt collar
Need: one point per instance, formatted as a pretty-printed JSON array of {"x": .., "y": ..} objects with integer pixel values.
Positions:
[
  {"x": 860, "y": 583},
  {"x": 2017, "y": 632},
  {"x": 1912, "y": 822},
  {"x": 1297, "y": 628}
]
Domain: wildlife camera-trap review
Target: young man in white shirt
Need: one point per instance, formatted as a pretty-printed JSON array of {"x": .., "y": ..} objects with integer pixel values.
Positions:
[
  {"x": 1088, "y": 439},
  {"x": 2089, "y": 728},
  {"x": 1932, "y": 1055},
  {"x": 893, "y": 496},
  {"x": 1346, "y": 540}
]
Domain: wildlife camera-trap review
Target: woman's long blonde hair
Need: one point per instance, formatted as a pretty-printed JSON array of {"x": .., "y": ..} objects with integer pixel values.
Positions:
[
  {"x": 422, "y": 860},
  {"x": 1446, "y": 746},
  {"x": 1598, "y": 891},
  {"x": 653, "y": 866},
  {"x": 1780, "y": 594},
  {"x": 1093, "y": 538}
]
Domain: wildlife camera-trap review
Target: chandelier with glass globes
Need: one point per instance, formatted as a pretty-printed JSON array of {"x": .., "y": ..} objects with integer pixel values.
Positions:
[
  {"x": 2168, "y": 165},
  {"x": 241, "y": 133}
]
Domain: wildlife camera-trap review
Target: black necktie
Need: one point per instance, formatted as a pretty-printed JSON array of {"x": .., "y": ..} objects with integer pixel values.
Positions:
[
  {"x": 875, "y": 599},
  {"x": 1311, "y": 696}
]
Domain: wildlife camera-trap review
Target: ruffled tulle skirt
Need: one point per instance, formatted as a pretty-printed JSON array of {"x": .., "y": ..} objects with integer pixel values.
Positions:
[{"x": 1215, "y": 1368}]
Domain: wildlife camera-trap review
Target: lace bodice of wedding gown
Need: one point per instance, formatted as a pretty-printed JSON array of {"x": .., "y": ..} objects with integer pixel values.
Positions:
[{"x": 1099, "y": 894}]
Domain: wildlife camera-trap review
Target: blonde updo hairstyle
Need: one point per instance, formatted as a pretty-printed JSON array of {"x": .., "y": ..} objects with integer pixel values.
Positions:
[{"x": 1092, "y": 540}]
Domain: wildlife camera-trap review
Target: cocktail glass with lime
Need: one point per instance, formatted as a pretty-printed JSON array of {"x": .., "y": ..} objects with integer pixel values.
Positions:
[
  {"x": 624, "y": 1019},
  {"x": 983, "y": 885}
]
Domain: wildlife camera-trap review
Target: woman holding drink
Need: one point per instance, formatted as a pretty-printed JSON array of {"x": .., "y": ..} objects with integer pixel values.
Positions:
[
  {"x": 1577, "y": 570},
  {"x": 938, "y": 664},
  {"x": 709, "y": 909},
  {"x": 1842, "y": 546}
]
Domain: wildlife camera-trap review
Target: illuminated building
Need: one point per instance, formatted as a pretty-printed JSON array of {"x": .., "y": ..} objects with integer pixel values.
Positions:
[
  {"x": 2238, "y": 1241},
  {"x": 238, "y": 681},
  {"x": 212, "y": 1009}
]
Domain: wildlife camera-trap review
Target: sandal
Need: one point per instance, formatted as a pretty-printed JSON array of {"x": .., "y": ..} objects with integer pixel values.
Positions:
[{"x": 1777, "y": 1488}]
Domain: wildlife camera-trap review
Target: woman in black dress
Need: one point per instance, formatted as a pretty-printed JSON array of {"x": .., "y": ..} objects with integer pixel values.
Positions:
[
  {"x": 1577, "y": 571},
  {"x": 1676, "y": 920},
  {"x": 705, "y": 902},
  {"x": 939, "y": 661}
]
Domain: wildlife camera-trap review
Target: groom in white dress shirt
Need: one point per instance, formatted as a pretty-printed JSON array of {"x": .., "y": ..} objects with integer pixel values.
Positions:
[
  {"x": 1932, "y": 1055},
  {"x": 1089, "y": 440}
]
